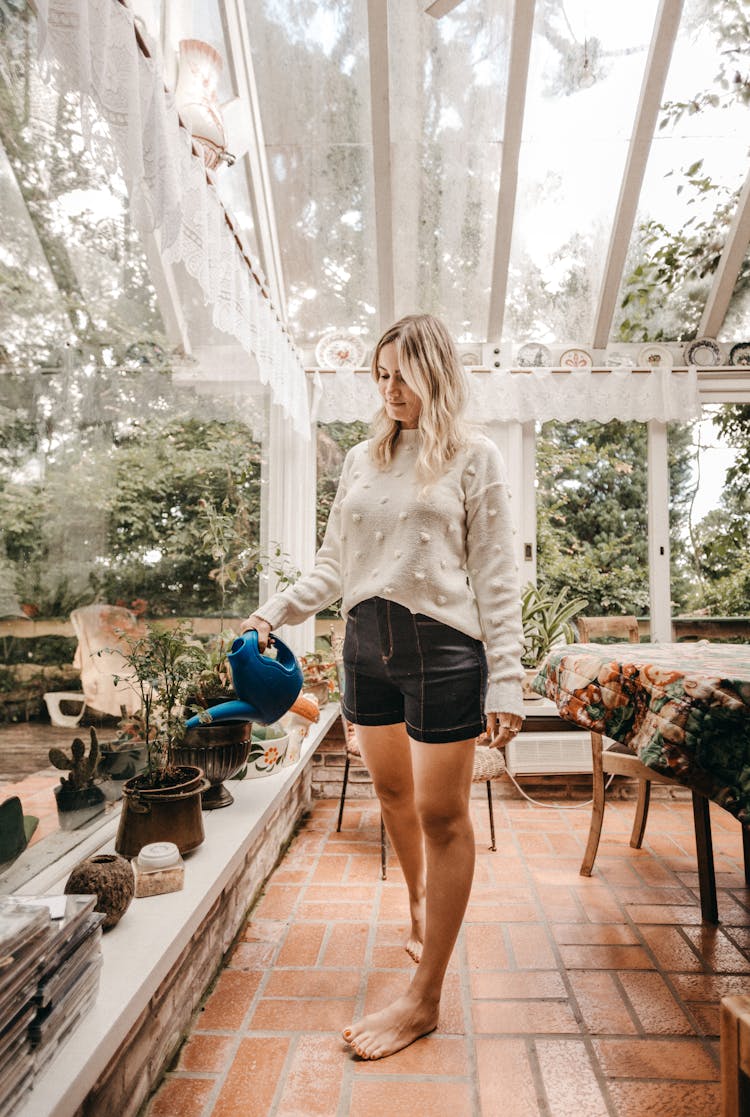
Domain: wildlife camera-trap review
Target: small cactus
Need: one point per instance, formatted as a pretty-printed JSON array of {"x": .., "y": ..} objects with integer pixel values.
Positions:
[{"x": 82, "y": 768}]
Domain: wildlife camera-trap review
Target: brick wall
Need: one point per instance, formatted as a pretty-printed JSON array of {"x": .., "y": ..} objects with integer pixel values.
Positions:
[{"x": 155, "y": 1038}]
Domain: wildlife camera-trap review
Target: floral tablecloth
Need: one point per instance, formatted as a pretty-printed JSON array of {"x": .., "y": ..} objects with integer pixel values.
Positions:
[{"x": 683, "y": 708}]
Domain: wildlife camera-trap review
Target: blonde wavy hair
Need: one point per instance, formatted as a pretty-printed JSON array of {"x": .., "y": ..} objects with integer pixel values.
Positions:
[{"x": 429, "y": 364}]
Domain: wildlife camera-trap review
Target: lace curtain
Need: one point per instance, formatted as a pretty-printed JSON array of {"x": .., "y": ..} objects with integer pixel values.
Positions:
[
  {"x": 538, "y": 394},
  {"x": 92, "y": 49}
]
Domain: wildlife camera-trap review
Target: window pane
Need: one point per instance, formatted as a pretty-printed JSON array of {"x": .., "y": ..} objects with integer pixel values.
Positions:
[
  {"x": 311, "y": 68},
  {"x": 710, "y": 562},
  {"x": 448, "y": 82},
  {"x": 592, "y": 514},
  {"x": 696, "y": 167},
  {"x": 585, "y": 73}
]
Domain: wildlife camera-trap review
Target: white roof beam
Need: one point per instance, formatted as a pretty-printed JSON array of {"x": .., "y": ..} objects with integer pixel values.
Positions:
[
  {"x": 736, "y": 246},
  {"x": 440, "y": 8},
  {"x": 515, "y": 102},
  {"x": 652, "y": 89},
  {"x": 255, "y": 162},
  {"x": 380, "y": 108}
]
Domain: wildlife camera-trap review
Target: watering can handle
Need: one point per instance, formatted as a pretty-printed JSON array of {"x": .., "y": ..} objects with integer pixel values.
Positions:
[{"x": 252, "y": 633}]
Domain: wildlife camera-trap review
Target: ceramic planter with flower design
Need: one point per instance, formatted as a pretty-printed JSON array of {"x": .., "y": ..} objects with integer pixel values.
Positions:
[{"x": 267, "y": 750}]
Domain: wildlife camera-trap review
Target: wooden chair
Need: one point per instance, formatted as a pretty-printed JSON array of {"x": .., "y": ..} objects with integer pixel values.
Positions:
[{"x": 615, "y": 759}]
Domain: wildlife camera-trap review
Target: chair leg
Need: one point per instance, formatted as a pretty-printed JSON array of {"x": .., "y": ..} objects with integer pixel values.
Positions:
[
  {"x": 383, "y": 849},
  {"x": 493, "y": 847},
  {"x": 343, "y": 791},
  {"x": 597, "y": 807},
  {"x": 641, "y": 813},
  {"x": 746, "y": 853}
]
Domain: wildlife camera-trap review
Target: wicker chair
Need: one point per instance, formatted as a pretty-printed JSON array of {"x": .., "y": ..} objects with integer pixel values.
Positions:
[{"x": 615, "y": 759}]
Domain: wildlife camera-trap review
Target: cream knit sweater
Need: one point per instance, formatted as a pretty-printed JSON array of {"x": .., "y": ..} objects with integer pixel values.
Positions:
[{"x": 446, "y": 551}]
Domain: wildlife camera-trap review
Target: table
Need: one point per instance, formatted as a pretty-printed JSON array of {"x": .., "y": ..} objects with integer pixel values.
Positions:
[{"x": 684, "y": 709}]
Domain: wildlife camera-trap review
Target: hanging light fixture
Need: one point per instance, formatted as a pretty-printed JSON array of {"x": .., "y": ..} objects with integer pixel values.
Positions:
[{"x": 198, "y": 101}]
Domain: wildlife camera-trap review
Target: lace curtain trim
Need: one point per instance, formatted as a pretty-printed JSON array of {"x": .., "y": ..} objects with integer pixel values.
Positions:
[
  {"x": 537, "y": 395},
  {"x": 92, "y": 48}
]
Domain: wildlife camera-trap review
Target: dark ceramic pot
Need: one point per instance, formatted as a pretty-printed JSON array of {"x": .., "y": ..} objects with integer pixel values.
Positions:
[
  {"x": 78, "y": 805},
  {"x": 220, "y": 750},
  {"x": 171, "y": 814},
  {"x": 108, "y": 877}
]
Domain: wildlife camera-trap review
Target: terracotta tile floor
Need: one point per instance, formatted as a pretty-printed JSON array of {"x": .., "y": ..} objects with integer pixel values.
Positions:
[
  {"x": 37, "y": 798},
  {"x": 565, "y": 997}
]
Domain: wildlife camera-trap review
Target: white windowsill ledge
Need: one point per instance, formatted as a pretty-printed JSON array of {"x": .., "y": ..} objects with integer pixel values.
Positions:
[{"x": 141, "y": 950}]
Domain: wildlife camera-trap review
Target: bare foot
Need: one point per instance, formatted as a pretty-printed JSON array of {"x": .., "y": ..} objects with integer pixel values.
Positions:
[
  {"x": 385, "y": 1032},
  {"x": 413, "y": 945}
]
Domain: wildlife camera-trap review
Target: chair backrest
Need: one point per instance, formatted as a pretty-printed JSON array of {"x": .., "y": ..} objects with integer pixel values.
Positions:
[
  {"x": 591, "y": 629},
  {"x": 102, "y": 630}
]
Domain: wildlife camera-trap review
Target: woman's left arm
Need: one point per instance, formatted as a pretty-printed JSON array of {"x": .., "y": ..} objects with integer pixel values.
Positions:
[{"x": 493, "y": 572}]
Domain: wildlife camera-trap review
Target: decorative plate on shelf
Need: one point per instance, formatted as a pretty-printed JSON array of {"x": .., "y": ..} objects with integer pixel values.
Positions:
[
  {"x": 739, "y": 354},
  {"x": 339, "y": 349},
  {"x": 703, "y": 352},
  {"x": 655, "y": 356},
  {"x": 618, "y": 359},
  {"x": 533, "y": 355},
  {"x": 576, "y": 358}
]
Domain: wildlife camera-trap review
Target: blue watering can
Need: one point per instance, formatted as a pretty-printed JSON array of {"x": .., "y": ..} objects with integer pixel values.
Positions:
[{"x": 266, "y": 687}]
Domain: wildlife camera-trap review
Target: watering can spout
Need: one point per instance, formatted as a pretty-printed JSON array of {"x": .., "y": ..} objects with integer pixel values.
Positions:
[{"x": 265, "y": 687}]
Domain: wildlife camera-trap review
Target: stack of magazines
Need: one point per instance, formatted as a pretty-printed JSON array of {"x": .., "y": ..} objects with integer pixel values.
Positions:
[{"x": 50, "y": 959}]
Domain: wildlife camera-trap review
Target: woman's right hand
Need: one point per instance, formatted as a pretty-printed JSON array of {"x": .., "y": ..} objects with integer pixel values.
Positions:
[{"x": 262, "y": 627}]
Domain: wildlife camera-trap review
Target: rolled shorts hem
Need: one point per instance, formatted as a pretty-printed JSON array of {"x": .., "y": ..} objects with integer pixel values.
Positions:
[
  {"x": 445, "y": 736},
  {"x": 388, "y": 717}
]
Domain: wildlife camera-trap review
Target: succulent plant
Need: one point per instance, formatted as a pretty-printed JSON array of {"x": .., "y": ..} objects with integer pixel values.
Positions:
[{"x": 82, "y": 768}]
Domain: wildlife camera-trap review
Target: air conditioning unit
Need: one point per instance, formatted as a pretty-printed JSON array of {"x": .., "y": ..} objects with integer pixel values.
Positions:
[{"x": 548, "y": 753}]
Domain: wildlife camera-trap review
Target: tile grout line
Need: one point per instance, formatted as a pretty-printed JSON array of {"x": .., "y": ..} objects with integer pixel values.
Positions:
[
  {"x": 698, "y": 1031},
  {"x": 584, "y": 1034}
]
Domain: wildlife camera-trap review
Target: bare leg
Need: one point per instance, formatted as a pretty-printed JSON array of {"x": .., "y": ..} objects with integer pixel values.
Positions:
[
  {"x": 442, "y": 781},
  {"x": 386, "y": 752}
]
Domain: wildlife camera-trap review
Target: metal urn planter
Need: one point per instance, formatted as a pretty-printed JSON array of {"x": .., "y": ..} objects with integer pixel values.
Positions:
[{"x": 220, "y": 750}]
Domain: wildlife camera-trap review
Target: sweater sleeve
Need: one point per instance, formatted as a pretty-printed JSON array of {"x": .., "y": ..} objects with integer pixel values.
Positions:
[
  {"x": 493, "y": 573},
  {"x": 322, "y": 586}
]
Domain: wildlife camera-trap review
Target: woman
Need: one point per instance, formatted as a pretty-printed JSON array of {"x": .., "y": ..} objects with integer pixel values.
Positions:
[{"x": 419, "y": 545}]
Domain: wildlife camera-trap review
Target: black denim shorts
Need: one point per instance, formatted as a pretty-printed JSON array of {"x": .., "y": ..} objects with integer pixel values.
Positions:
[{"x": 403, "y": 666}]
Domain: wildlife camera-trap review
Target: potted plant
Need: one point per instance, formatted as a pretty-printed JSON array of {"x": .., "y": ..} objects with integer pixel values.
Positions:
[
  {"x": 163, "y": 802},
  {"x": 319, "y": 672},
  {"x": 546, "y": 623},
  {"x": 77, "y": 796},
  {"x": 219, "y": 749}
]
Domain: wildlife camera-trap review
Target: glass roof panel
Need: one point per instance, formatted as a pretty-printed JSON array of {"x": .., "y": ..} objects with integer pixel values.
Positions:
[
  {"x": 736, "y": 325},
  {"x": 586, "y": 68},
  {"x": 697, "y": 165},
  {"x": 76, "y": 234},
  {"x": 311, "y": 68},
  {"x": 448, "y": 82}
]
